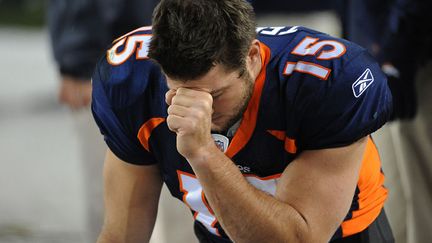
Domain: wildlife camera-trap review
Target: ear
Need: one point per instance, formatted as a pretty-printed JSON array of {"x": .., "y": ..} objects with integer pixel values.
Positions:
[
  {"x": 253, "y": 59},
  {"x": 254, "y": 52}
]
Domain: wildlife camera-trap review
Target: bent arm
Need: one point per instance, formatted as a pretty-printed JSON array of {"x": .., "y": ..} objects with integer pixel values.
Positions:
[
  {"x": 312, "y": 197},
  {"x": 131, "y": 200}
]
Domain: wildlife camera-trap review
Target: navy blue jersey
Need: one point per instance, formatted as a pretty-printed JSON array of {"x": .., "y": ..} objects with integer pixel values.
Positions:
[{"x": 314, "y": 91}]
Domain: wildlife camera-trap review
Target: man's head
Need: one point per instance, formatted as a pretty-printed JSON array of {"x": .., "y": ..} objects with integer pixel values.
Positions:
[
  {"x": 209, "y": 45},
  {"x": 192, "y": 36}
]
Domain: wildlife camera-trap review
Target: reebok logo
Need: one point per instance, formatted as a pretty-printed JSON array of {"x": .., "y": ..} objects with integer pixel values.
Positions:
[{"x": 362, "y": 83}]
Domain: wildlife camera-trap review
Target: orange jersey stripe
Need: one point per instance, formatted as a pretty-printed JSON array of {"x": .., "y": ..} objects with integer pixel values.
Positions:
[
  {"x": 279, "y": 134},
  {"x": 372, "y": 193},
  {"x": 247, "y": 125},
  {"x": 290, "y": 145},
  {"x": 145, "y": 131}
]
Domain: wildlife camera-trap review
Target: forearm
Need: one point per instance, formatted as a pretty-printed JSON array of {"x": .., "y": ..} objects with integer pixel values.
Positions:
[
  {"x": 131, "y": 197},
  {"x": 132, "y": 230},
  {"x": 246, "y": 213}
]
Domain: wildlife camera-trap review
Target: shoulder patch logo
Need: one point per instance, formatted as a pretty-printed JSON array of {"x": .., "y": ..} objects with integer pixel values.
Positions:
[{"x": 362, "y": 83}]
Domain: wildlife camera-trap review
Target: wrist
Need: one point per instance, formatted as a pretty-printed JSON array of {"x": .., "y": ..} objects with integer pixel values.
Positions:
[{"x": 204, "y": 156}]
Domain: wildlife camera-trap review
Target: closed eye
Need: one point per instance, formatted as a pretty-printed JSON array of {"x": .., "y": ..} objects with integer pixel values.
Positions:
[{"x": 216, "y": 96}]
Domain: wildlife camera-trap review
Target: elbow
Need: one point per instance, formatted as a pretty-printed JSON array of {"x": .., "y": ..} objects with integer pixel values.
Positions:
[
  {"x": 302, "y": 232},
  {"x": 306, "y": 235}
]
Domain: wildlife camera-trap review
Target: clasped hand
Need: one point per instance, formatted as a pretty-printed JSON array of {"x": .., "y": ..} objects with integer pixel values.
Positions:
[{"x": 190, "y": 117}]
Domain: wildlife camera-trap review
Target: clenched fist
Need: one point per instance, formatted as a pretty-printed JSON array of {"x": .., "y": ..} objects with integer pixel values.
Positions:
[{"x": 190, "y": 117}]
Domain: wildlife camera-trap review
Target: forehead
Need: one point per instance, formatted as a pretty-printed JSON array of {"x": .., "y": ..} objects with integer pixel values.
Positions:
[{"x": 218, "y": 77}]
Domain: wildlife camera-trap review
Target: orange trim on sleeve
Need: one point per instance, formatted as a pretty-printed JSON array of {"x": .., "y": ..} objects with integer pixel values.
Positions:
[
  {"x": 145, "y": 131},
  {"x": 279, "y": 134},
  {"x": 372, "y": 193},
  {"x": 290, "y": 145},
  {"x": 247, "y": 125}
]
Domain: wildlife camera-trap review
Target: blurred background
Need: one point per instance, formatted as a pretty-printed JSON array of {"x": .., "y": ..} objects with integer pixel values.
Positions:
[{"x": 41, "y": 197}]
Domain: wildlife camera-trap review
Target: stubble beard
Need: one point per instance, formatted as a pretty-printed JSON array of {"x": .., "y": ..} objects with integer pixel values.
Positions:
[{"x": 242, "y": 106}]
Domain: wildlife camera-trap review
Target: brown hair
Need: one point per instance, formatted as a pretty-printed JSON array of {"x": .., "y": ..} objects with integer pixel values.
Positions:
[{"x": 191, "y": 36}]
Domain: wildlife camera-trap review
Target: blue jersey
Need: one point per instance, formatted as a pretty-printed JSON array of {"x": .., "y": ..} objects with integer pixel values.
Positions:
[{"x": 314, "y": 91}]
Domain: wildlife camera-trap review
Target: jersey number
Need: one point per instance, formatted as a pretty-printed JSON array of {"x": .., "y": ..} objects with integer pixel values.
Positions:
[
  {"x": 193, "y": 196},
  {"x": 312, "y": 47},
  {"x": 134, "y": 43}
]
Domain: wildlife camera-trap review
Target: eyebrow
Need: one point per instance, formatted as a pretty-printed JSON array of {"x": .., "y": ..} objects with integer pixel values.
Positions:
[
  {"x": 218, "y": 90},
  {"x": 211, "y": 92}
]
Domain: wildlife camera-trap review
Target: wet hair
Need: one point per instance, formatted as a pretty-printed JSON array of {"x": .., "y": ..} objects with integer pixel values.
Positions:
[{"x": 192, "y": 36}]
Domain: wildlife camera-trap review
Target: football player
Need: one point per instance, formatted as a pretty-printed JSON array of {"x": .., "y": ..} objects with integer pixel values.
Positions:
[{"x": 263, "y": 133}]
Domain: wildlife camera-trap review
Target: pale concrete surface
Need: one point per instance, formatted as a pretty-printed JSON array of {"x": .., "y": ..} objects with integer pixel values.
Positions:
[{"x": 40, "y": 179}]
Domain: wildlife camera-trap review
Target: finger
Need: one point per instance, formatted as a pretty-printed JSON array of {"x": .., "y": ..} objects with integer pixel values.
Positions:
[
  {"x": 179, "y": 110},
  {"x": 183, "y": 100},
  {"x": 79, "y": 99},
  {"x": 87, "y": 99},
  {"x": 194, "y": 93},
  {"x": 204, "y": 102},
  {"x": 192, "y": 113},
  {"x": 201, "y": 97},
  {"x": 86, "y": 94},
  {"x": 169, "y": 95},
  {"x": 179, "y": 124},
  {"x": 63, "y": 94},
  {"x": 62, "y": 97},
  {"x": 82, "y": 101},
  {"x": 75, "y": 102}
]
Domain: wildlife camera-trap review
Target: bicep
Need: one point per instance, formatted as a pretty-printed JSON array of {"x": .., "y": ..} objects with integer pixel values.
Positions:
[
  {"x": 320, "y": 185},
  {"x": 131, "y": 198}
]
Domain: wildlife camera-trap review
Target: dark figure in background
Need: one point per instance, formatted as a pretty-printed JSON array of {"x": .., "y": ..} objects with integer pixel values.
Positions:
[
  {"x": 406, "y": 58},
  {"x": 399, "y": 34}
]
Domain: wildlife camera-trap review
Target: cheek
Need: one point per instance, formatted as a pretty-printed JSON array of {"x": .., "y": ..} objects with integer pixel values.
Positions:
[
  {"x": 225, "y": 105},
  {"x": 228, "y": 104}
]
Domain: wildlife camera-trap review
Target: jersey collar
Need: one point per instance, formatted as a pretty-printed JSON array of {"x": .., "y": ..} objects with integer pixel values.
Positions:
[{"x": 248, "y": 123}]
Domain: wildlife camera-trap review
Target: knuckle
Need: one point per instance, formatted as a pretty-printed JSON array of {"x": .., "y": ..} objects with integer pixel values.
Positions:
[
  {"x": 170, "y": 122},
  {"x": 167, "y": 98},
  {"x": 199, "y": 114},
  {"x": 170, "y": 110},
  {"x": 181, "y": 90},
  {"x": 209, "y": 101},
  {"x": 175, "y": 99}
]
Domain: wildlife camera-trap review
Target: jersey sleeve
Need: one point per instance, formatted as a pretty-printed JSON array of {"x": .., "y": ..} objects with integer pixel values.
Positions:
[
  {"x": 353, "y": 103},
  {"x": 119, "y": 110}
]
